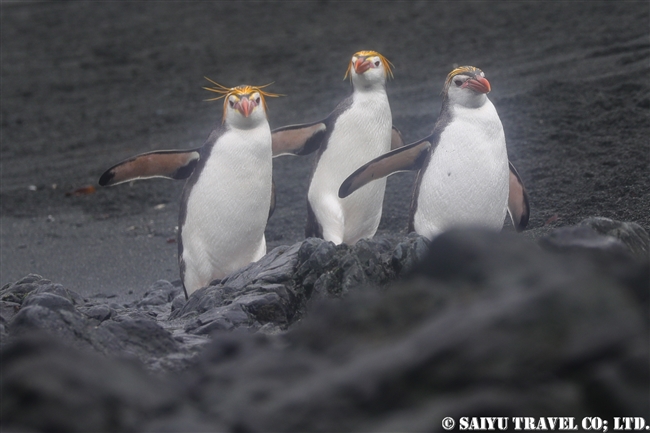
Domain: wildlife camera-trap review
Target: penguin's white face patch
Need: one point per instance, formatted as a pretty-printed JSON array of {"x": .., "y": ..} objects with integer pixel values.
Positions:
[
  {"x": 478, "y": 83},
  {"x": 467, "y": 76},
  {"x": 362, "y": 64},
  {"x": 245, "y": 110},
  {"x": 460, "y": 81},
  {"x": 369, "y": 65},
  {"x": 245, "y": 104},
  {"x": 242, "y": 103}
]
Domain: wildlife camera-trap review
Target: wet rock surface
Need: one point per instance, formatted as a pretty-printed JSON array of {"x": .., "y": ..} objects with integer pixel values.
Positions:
[
  {"x": 391, "y": 334},
  {"x": 275, "y": 291}
]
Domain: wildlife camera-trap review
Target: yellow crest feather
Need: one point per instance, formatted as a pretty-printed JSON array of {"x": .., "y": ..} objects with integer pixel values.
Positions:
[
  {"x": 238, "y": 91},
  {"x": 387, "y": 64},
  {"x": 469, "y": 70}
]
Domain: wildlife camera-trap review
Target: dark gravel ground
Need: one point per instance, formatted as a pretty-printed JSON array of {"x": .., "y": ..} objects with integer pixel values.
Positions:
[{"x": 85, "y": 85}]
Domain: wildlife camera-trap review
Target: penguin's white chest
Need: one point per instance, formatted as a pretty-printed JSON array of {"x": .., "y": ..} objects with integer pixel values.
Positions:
[
  {"x": 360, "y": 134},
  {"x": 466, "y": 180},
  {"x": 227, "y": 207}
]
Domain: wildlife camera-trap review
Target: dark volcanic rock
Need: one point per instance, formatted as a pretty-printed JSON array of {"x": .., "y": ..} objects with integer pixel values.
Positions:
[
  {"x": 631, "y": 234},
  {"x": 488, "y": 324},
  {"x": 142, "y": 337},
  {"x": 99, "y": 312},
  {"x": 611, "y": 245},
  {"x": 33, "y": 285},
  {"x": 42, "y": 306},
  {"x": 275, "y": 290},
  {"x": 313, "y": 338},
  {"x": 601, "y": 235},
  {"x": 583, "y": 237},
  {"x": 47, "y": 386},
  {"x": 162, "y": 292}
]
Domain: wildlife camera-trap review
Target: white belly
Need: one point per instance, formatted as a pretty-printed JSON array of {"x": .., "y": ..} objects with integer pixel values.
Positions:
[
  {"x": 362, "y": 133},
  {"x": 466, "y": 180},
  {"x": 227, "y": 208}
]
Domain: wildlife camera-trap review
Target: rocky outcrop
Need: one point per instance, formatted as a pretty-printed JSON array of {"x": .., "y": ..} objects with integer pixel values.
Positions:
[
  {"x": 383, "y": 336},
  {"x": 275, "y": 292},
  {"x": 164, "y": 331}
]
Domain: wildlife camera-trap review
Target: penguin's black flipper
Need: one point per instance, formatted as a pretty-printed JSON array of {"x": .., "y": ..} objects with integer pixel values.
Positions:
[
  {"x": 409, "y": 157},
  {"x": 518, "y": 203},
  {"x": 172, "y": 164},
  {"x": 272, "y": 207},
  {"x": 396, "y": 139},
  {"x": 300, "y": 139}
]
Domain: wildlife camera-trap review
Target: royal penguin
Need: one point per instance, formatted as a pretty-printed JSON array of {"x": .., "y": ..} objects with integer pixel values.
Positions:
[
  {"x": 358, "y": 130},
  {"x": 464, "y": 175},
  {"x": 228, "y": 195}
]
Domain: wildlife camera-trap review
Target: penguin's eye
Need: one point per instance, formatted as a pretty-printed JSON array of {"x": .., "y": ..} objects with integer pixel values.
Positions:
[
  {"x": 231, "y": 102},
  {"x": 458, "y": 82},
  {"x": 257, "y": 100}
]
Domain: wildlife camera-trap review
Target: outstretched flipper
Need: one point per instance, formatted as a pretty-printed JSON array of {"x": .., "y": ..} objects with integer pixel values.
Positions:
[
  {"x": 300, "y": 139},
  {"x": 172, "y": 164},
  {"x": 409, "y": 157},
  {"x": 518, "y": 203}
]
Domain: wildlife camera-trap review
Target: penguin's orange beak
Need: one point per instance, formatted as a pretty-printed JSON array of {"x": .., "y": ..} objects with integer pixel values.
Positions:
[
  {"x": 478, "y": 84},
  {"x": 245, "y": 106},
  {"x": 361, "y": 65}
]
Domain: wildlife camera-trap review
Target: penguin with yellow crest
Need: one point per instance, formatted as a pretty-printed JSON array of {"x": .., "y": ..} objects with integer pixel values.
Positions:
[
  {"x": 359, "y": 129},
  {"x": 228, "y": 196}
]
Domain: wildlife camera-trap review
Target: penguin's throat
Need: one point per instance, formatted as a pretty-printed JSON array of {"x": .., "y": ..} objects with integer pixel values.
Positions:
[
  {"x": 364, "y": 84},
  {"x": 472, "y": 101}
]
